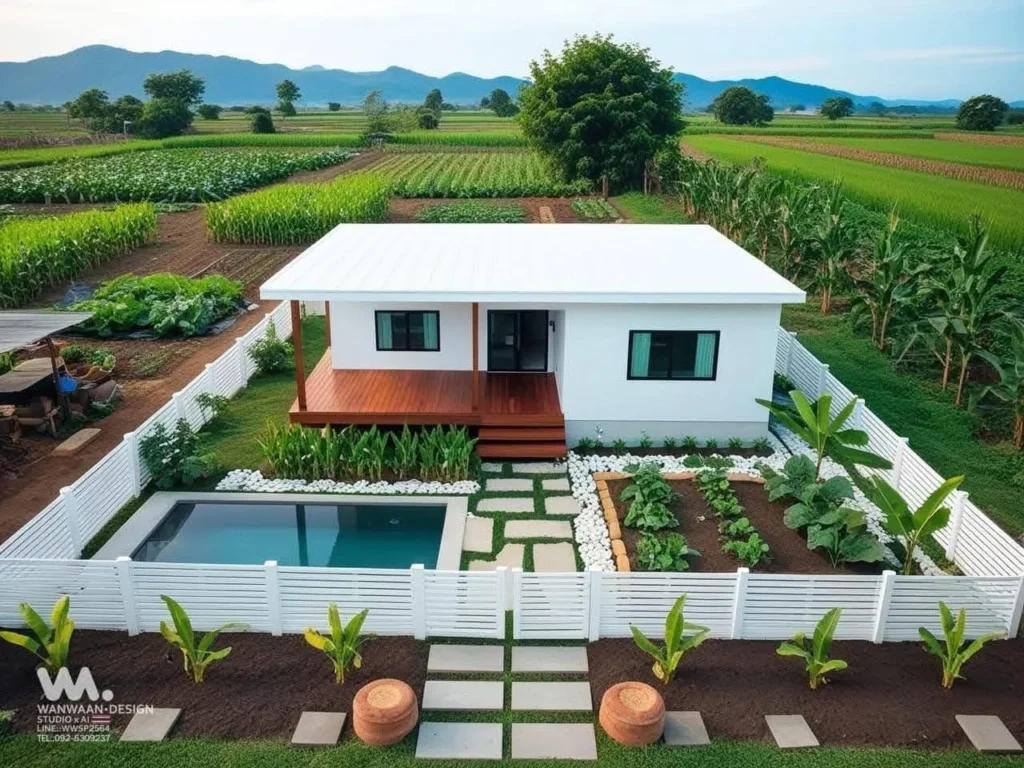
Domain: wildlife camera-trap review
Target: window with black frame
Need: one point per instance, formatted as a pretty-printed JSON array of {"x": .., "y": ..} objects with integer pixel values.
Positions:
[
  {"x": 407, "y": 331},
  {"x": 673, "y": 355}
]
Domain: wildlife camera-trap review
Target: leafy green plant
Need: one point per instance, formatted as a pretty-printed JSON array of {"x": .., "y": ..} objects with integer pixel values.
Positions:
[
  {"x": 751, "y": 550},
  {"x": 815, "y": 651},
  {"x": 405, "y": 459},
  {"x": 197, "y": 656},
  {"x": 52, "y": 642},
  {"x": 594, "y": 208},
  {"x": 956, "y": 651},
  {"x": 718, "y": 462},
  {"x": 1010, "y": 387},
  {"x": 471, "y": 212},
  {"x": 711, "y": 444},
  {"x": 645, "y": 441},
  {"x": 664, "y": 553},
  {"x": 761, "y": 445},
  {"x": 714, "y": 486},
  {"x": 619, "y": 447},
  {"x": 690, "y": 443},
  {"x": 343, "y": 644},
  {"x": 913, "y": 526},
  {"x": 173, "y": 458},
  {"x": 736, "y": 529},
  {"x": 735, "y": 443},
  {"x": 670, "y": 443},
  {"x": 271, "y": 354},
  {"x": 675, "y": 644},
  {"x": 211, "y": 405},
  {"x": 585, "y": 443},
  {"x": 649, "y": 496}
]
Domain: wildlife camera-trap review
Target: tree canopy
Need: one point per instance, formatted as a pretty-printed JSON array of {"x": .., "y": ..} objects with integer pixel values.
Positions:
[
  {"x": 288, "y": 91},
  {"x": 601, "y": 108},
  {"x": 500, "y": 103},
  {"x": 163, "y": 117},
  {"x": 981, "y": 113},
  {"x": 434, "y": 101},
  {"x": 209, "y": 111},
  {"x": 181, "y": 86},
  {"x": 837, "y": 107},
  {"x": 739, "y": 105},
  {"x": 334, "y": 106}
]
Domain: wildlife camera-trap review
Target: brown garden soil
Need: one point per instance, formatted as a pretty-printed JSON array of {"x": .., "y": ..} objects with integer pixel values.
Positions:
[
  {"x": 788, "y": 549},
  {"x": 890, "y": 695},
  {"x": 403, "y": 211},
  {"x": 678, "y": 452},
  {"x": 984, "y": 138},
  {"x": 258, "y": 691}
]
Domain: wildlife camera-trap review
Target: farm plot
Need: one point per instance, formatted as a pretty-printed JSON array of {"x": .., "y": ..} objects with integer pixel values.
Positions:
[
  {"x": 998, "y": 155},
  {"x": 477, "y": 174},
  {"x": 178, "y": 175}
]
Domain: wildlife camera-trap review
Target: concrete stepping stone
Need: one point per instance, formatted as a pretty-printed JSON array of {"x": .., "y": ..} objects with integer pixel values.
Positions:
[
  {"x": 459, "y": 741},
  {"x": 685, "y": 729},
  {"x": 503, "y": 484},
  {"x": 515, "y": 505},
  {"x": 551, "y": 697},
  {"x": 554, "y": 741},
  {"x": 464, "y": 695},
  {"x": 479, "y": 535},
  {"x": 538, "y": 529},
  {"x": 550, "y": 659},
  {"x": 318, "y": 729},
  {"x": 791, "y": 731},
  {"x": 555, "y": 484},
  {"x": 492, "y": 466},
  {"x": 151, "y": 726},
  {"x": 466, "y": 658},
  {"x": 553, "y": 558},
  {"x": 538, "y": 468},
  {"x": 511, "y": 556},
  {"x": 988, "y": 733},
  {"x": 561, "y": 505}
]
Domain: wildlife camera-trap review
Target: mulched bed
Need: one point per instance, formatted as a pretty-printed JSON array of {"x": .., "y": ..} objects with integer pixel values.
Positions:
[
  {"x": 788, "y": 549},
  {"x": 258, "y": 691},
  {"x": 662, "y": 451},
  {"x": 890, "y": 696}
]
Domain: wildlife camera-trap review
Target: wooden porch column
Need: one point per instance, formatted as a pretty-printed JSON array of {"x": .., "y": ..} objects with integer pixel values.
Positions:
[
  {"x": 300, "y": 371},
  {"x": 476, "y": 356},
  {"x": 327, "y": 322}
]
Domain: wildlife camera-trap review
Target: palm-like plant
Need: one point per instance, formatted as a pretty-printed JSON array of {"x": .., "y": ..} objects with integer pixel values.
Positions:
[
  {"x": 815, "y": 651},
  {"x": 831, "y": 244},
  {"x": 667, "y": 658},
  {"x": 955, "y": 652},
  {"x": 913, "y": 525},
  {"x": 1010, "y": 388},
  {"x": 342, "y": 645},
  {"x": 52, "y": 642},
  {"x": 813, "y": 423}
]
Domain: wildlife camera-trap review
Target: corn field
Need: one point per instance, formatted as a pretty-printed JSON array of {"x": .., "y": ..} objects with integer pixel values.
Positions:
[
  {"x": 478, "y": 174},
  {"x": 37, "y": 253},
  {"x": 295, "y": 214},
  {"x": 173, "y": 175}
]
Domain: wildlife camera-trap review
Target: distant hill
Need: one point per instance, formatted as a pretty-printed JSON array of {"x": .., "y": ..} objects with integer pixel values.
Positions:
[{"x": 56, "y": 79}]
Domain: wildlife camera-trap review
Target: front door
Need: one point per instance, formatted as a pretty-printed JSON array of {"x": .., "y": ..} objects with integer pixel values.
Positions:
[{"x": 517, "y": 340}]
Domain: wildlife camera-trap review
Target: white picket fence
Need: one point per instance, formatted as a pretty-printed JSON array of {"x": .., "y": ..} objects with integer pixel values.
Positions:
[
  {"x": 972, "y": 540},
  {"x": 81, "y": 509}
]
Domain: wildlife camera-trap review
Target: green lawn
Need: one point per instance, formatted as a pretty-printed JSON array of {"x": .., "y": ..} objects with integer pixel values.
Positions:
[
  {"x": 989, "y": 155},
  {"x": 654, "y": 209}
]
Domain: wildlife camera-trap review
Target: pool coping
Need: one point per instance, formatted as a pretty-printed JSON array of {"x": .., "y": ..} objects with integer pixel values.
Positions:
[{"x": 145, "y": 520}]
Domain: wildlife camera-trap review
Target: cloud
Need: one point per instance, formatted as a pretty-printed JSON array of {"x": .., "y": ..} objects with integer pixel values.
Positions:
[{"x": 966, "y": 55}]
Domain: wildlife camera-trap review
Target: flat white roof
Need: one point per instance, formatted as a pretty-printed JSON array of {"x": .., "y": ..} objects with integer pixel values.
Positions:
[{"x": 570, "y": 263}]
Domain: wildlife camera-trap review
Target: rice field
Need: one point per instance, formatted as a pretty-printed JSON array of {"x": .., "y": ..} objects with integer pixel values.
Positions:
[
  {"x": 935, "y": 200},
  {"x": 476, "y": 174},
  {"x": 1007, "y": 156},
  {"x": 175, "y": 175}
]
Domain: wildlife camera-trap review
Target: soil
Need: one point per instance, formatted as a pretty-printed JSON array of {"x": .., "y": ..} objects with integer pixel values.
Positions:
[
  {"x": 890, "y": 696},
  {"x": 403, "y": 211},
  {"x": 258, "y": 691},
  {"x": 788, "y": 549},
  {"x": 661, "y": 451}
]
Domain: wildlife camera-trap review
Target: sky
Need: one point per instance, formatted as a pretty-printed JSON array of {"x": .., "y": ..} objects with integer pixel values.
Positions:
[{"x": 916, "y": 49}]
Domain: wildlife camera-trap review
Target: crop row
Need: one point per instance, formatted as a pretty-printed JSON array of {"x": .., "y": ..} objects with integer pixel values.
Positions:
[{"x": 176, "y": 175}]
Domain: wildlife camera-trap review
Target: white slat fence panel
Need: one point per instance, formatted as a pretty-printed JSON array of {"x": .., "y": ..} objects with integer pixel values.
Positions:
[{"x": 643, "y": 600}]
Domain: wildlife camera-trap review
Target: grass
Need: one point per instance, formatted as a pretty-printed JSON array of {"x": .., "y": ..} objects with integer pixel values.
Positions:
[
  {"x": 941, "y": 433},
  {"x": 651, "y": 209},
  {"x": 987, "y": 155},
  {"x": 939, "y": 201},
  {"x": 23, "y": 158}
]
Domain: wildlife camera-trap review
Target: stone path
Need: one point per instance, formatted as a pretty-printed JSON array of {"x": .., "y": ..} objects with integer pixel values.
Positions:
[
  {"x": 466, "y": 658},
  {"x": 988, "y": 733},
  {"x": 153, "y": 725},
  {"x": 318, "y": 729},
  {"x": 551, "y": 697},
  {"x": 791, "y": 731},
  {"x": 551, "y": 741},
  {"x": 464, "y": 695},
  {"x": 550, "y": 660},
  {"x": 459, "y": 741}
]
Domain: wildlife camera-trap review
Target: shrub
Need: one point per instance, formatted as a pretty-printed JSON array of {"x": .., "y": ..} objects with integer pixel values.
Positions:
[
  {"x": 585, "y": 444},
  {"x": 670, "y": 443},
  {"x": 676, "y": 644},
  {"x": 211, "y": 405},
  {"x": 956, "y": 652},
  {"x": 815, "y": 651},
  {"x": 664, "y": 553},
  {"x": 197, "y": 656},
  {"x": 619, "y": 447},
  {"x": 261, "y": 122},
  {"x": 209, "y": 111},
  {"x": 649, "y": 495},
  {"x": 52, "y": 642},
  {"x": 173, "y": 458},
  {"x": 645, "y": 441},
  {"x": 272, "y": 354},
  {"x": 761, "y": 445},
  {"x": 690, "y": 443},
  {"x": 735, "y": 443},
  {"x": 163, "y": 117},
  {"x": 711, "y": 444},
  {"x": 343, "y": 645}
]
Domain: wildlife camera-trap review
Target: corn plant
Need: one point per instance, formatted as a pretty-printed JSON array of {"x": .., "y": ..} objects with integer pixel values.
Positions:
[
  {"x": 815, "y": 651},
  {"x": 197, "y": 655},
  {"x": 676, "y": 643},
  {"x": 52, "y": 642},
  {"x": 956, "y": 651},
  {"x": 343, "y": 644}
]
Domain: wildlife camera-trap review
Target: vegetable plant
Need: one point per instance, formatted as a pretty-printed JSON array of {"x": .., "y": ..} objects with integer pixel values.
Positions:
[
  {"x": 342, "y": 646},
  {"x": 815, "y": 651},
  {"x": 51, "y": 642},
  {"x": 751, "y": 550},
  {"x": 913, "y": 526},
  {"x": 676, "y": 642},
  {"x": 955, "y": 652},
  {"x": 649, "y": 496},
  {"x": 271, "y": 354},
  {"x": 173, "y": 458},
  {"x": 664, "y": 553},
  {"x": 197, "y": 655},
  {"x": 735, "y": 529},
  {"x": 471, "y": 212},
  {"x": 211, "y": 405}
]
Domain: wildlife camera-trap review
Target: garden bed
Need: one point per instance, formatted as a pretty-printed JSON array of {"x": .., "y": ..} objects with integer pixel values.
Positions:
[
  {"x": 890, "y": 695},
  {"x": 258, "y": 691},
  {"x": 723, "y": 450}
]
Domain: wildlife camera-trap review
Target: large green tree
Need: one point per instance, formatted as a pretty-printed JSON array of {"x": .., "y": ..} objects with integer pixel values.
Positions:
[
  {"x": 981, "y": 113},
  {"x": 434, "y": 101},
  {"x": 739, "y": 105},
  {"x": 837, "y": 107},
  {"x": 181, "y": 86},
  {"x": 287, "y": 94},
  {"x": 500, "y": 103},
  {"x": 601, "y": 109}
]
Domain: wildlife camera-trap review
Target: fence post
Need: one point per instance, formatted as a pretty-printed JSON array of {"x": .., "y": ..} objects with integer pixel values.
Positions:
[
  {"x": 789, "y": 354},
  {"x": 736, "y": 632},
  {"x": 517, "y": 602},
  {"x": 131, "y": 444},
  {"x": 179, "y": 406},
  {"x": 823, "y": 379},
  {"x": 501, "y": 599},
  {"x": 594, "y": 582},
  {"x": 959, "y": 502},
  {"x": 72, "y": 518},
  {"x": 419, "y": 602},
  {"x": 123, "y": 565},
  {"x": 1015, "y": 615},
  {"x": 858, "y": 414},
  {"x": 243, "y": 366},
  {"x": 884, "y": 600},
  {"x": 897, "y": 462},
  {"x": 273, "y": 597}
]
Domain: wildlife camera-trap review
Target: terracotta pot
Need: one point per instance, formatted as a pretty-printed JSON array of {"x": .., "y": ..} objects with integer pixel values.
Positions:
[
  {"x": 633, "y": 714},
  {"x": 384, "y": 712}
]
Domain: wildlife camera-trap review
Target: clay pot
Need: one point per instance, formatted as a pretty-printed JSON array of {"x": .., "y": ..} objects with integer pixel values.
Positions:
[
  {"x": 633, "y": 714},
  {"x": 384, "y": 712}
]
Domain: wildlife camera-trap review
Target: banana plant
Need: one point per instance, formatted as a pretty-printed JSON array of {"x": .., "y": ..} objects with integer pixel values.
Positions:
[
  {"x": 912, "y": 526},
  {"x": 52, "y": 642},
  {"x": 197, "y": 656},
  {"x": 815, "y": 651},
  {"x": 343, "y": 644},
  {"x": 676, "y": 644},
  {"x": 1010, "y": 388},
  {"x": 955, "y": 652},
  {"x": 830, "y": 247}
]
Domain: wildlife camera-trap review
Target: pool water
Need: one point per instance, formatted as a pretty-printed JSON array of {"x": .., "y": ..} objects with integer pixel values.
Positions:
[{"x": 338, "y": 535}]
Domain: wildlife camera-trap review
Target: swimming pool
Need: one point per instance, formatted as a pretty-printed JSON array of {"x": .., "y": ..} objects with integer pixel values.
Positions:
[{"x": 293, "y": 530}]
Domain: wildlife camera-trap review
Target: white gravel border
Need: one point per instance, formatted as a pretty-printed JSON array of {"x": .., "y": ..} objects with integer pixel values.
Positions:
[{"x": 253, "y": 480}]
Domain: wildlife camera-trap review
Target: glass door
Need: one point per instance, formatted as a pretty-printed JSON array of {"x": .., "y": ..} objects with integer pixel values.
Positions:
[{"x": 517, "y": 340}]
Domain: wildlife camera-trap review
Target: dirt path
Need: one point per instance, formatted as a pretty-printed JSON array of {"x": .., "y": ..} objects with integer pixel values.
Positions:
[{"x": 983, "y": 138}]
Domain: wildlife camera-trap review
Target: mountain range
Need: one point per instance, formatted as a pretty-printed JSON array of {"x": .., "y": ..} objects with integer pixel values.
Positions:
[{"x": 230, "y": 81}]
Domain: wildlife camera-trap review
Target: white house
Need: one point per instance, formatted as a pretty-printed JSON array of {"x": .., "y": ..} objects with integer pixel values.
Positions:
[{"x": 536, "y": 334}]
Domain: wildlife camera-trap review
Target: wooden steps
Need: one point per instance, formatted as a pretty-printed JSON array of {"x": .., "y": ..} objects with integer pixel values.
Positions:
[
  {"x": 521, "y": 434},
  {"x": 544, "y": 450},
  {"x": 524, "y": 438}
]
